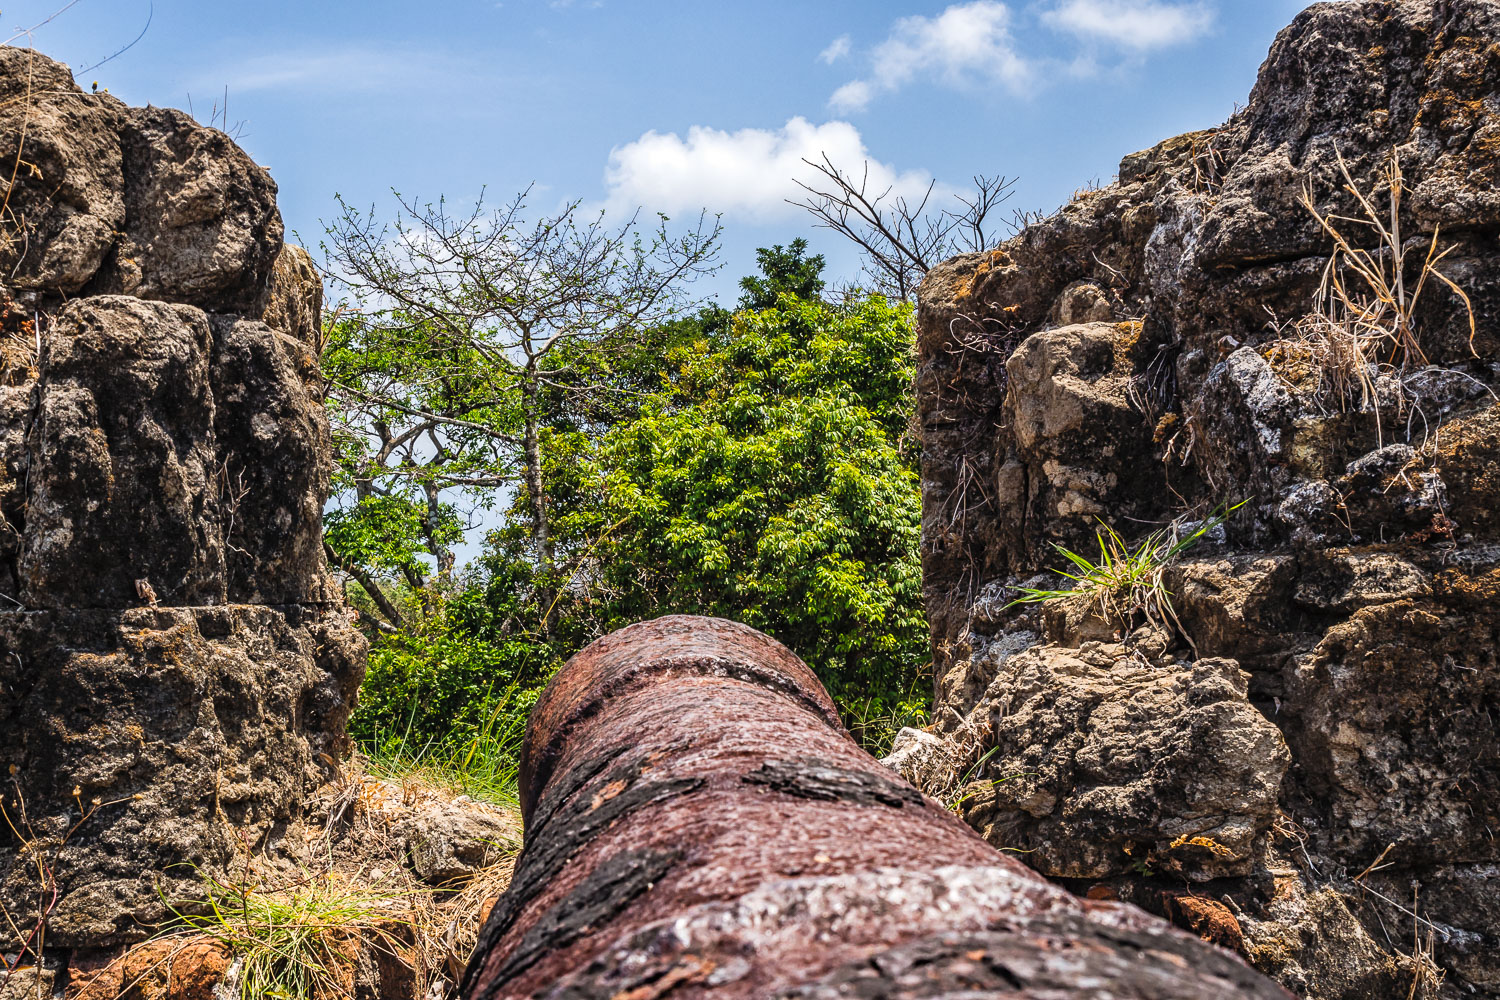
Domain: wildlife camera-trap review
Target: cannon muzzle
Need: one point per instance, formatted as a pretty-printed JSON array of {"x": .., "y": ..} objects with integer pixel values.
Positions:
[{"x": 700, "y": 824}]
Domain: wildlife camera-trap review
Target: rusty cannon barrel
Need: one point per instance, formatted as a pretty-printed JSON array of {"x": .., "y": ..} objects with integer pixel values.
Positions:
[{"x": 700, "y": 824}]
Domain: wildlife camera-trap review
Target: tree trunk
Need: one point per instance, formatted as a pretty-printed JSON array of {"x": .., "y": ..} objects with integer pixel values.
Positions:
[
  {"x": 541, "y": 533},
  {"x": 443, "y": 554},
  {"x": 370, "y": 586},
  {"x": 541, "y": 528},
  {"x": 418, "y": 586}
]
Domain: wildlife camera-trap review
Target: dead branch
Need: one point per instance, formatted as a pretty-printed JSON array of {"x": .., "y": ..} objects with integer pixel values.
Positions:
[{"x": 900, "y": 238}]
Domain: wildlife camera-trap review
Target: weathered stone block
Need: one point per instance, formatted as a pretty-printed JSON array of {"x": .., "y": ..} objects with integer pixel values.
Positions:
[
  {"x": 122, "y": 471},
  {"x": 145, "y": 745},
  {"x": 1104, "y": 763}
]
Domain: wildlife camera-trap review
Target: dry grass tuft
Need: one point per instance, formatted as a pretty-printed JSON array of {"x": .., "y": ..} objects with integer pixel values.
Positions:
[
  {"x": 301, "y": 939},
  {"x": 455, "y": 934},
  {"x": 1363, "y": 321},
  {"x": 352, "y": 918}
]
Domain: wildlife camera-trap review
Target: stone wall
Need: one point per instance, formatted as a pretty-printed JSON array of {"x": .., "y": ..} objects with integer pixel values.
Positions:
[
  {"x": 1327, "y": 700},
  {"x": 175, "y": 667}
]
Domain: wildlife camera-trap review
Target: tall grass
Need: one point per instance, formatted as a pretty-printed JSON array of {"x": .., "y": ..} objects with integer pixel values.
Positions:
[{"x": 482, "y": 763}]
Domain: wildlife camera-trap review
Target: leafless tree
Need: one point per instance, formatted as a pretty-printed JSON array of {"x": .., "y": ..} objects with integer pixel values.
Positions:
[
  {"x": 901, "y": 239},
  {"x": 460, "y": 330}
]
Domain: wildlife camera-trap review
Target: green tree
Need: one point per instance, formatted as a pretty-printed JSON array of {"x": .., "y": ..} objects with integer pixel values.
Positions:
[
  {"x": 754, "y": 465},
  {"x": 782, "y": 271},
  {"x": 774, "y": 485},
  {"x": 462, "y": 339}
]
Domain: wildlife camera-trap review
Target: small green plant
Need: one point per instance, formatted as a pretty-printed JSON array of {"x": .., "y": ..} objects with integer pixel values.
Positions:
[
  {"x": 297, "y": 941},
  {"x": 959, "y": 796},
  {"x": 1126, "y": 581},
  {"x": 967, "y": 790},
  {"x": 874, "y": 720}
]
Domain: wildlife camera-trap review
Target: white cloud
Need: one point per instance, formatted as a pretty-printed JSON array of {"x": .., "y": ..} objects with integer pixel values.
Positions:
[
  {"x": 853, "y": 96},
  {"x": 347, "y": 69},
  {"x": 837, "y": 49},
  {"x": 748, "y": 174},
  {"x": 968, "y": 44},
  {"x": 1134, "y": 24}
]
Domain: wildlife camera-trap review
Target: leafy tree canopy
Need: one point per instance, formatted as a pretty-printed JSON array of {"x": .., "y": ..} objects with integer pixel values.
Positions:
[
  {"x": 782, "y": 271},
  {"x": 772, "y": 486}
]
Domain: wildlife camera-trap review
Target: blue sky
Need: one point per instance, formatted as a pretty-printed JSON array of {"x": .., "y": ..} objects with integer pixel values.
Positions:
[{"x": 671, "y": 104}]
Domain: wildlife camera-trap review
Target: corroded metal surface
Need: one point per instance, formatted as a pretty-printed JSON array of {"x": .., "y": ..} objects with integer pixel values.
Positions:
[{"x": 699, "y": 824}]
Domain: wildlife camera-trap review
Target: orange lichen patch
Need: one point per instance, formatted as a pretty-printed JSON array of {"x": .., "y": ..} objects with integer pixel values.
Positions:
[
  {"x": 1210, "y": 920},
  {"x": 1484, "y": 150},
  {"x": 165, "y": 969},
  {"x": 1464, "y": 64},
  {"x": 993, "y": 260},
  {"x": 1207, "y": 843},
  {"x": 1295, "y": 364},
  {"x": 1468, "y": 593},
  {"x": 1164, "y": 427},
  {"x": 1445, "y": 111},
  {"x": 1129, "y": 336},
  {"x": 1463, "y": 56},
  {"x": 18, "y": 345},
  {"x": 1441, "y": 527}
]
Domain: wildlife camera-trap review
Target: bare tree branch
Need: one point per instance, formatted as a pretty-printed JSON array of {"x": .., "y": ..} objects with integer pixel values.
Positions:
[{"x": 900, "y": 239}]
